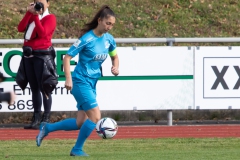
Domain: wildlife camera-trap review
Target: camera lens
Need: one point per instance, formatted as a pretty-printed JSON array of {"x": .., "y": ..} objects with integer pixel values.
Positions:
[{"x": 38, "y": 6}]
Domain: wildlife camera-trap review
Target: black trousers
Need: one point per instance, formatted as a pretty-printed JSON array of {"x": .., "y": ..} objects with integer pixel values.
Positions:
[{"x": 34, "y": 69}]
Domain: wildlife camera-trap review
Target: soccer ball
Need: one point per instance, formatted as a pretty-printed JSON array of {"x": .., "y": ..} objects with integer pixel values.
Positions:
[{"x": 106, "y": 128}]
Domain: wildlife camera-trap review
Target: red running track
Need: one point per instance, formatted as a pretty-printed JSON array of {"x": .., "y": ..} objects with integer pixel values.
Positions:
[{"x": 152, "y": 131}]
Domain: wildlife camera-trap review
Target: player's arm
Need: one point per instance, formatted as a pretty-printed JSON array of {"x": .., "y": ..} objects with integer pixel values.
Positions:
[
  {"x": 67, "y": 71},
  {"x": 75, "y": 49},
  {"x": 115, "y": 62},
  {"x": 114, "y": 57}
]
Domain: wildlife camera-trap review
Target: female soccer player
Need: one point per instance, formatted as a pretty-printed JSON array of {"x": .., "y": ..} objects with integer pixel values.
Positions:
[{"x": 93, "y": 47}]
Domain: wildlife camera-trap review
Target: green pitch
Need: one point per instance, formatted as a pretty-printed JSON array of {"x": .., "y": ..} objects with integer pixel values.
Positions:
[{"x": 126, "y": 149}]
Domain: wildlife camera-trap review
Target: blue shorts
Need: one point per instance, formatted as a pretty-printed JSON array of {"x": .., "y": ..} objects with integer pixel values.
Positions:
[{"x": 84, "y": 92}]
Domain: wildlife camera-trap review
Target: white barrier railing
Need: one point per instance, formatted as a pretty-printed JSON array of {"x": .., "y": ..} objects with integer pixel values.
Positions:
[{"x": 140, "y": 40}]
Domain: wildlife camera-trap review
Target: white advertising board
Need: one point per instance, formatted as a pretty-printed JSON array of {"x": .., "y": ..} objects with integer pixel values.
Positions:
[
  {"x": 217, "y": 78},
  {"x": 151, "y": 78}
]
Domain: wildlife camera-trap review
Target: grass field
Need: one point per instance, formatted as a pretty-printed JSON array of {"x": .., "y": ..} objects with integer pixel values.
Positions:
[
  {"x": 136, "y": 18},
  {"x": 127, "y": 149}
]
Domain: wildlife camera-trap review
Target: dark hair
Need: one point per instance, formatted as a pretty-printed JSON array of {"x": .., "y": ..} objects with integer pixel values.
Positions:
[{"x": 103, "y": 12}]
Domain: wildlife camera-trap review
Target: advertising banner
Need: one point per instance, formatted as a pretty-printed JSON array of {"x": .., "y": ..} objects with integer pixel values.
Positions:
[
  {"x": 151, "y": 78},
  {"x": 217, "y": 78}
]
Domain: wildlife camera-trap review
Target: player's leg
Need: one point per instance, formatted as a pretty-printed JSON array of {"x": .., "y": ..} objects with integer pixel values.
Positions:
[
  {"x": 88, "y": 93},
  {"x": 88, "y": 126},
  {"x": 68, "y": 124}
]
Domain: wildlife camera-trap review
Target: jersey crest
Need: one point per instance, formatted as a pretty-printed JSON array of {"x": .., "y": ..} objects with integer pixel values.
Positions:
[{"x": 76, "y": 44}]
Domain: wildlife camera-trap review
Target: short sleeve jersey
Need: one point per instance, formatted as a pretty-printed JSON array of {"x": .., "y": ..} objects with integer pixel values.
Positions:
[{"x": 92, "y": 51}]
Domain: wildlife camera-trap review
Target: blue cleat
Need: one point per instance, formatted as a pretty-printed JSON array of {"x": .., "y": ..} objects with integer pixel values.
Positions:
[
  {"x": 42, "y": 133},
  {"x": 78, "y": 152}
]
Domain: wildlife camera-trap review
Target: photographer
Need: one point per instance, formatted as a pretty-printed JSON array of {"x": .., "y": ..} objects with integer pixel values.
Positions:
[
  {"x": 38, "y": 26},
  {"x": 6, "y": 96}
]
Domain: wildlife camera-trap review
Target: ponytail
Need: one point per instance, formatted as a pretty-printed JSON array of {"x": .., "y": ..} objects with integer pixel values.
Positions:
[{"x": 103, "y": 12}]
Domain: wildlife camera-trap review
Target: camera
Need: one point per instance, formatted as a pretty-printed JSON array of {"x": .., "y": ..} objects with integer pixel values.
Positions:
[{"x": 38, "y": 6}]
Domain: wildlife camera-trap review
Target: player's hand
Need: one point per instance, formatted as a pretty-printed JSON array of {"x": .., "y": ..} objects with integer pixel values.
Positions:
[
  {"x": 114, "y": 71},
  {"x": 68, "y": 84}
]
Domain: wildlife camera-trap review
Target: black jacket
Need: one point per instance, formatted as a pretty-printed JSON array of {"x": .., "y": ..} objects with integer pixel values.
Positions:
[{"x": 49, "y": 75}]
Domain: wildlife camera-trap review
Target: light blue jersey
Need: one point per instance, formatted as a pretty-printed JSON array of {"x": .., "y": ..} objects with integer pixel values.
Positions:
[{"x": 92, "y": 51}]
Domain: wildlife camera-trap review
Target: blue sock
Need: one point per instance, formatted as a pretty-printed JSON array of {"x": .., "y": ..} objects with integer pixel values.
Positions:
[
  {"x": 85, "y": 131},
  {"x": 66, "y": 124}
]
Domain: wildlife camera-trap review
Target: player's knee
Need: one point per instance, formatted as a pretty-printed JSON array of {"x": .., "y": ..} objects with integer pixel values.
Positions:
[
  {"x": 94, "y": 114},
  {"x": 98, "y": 118},
  {"x": 95, "y": 119}
]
